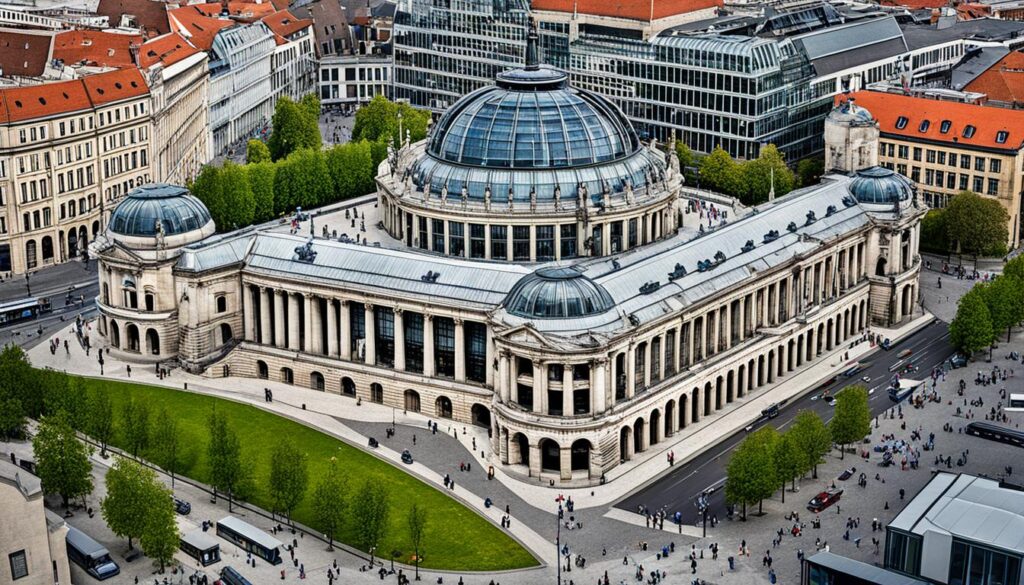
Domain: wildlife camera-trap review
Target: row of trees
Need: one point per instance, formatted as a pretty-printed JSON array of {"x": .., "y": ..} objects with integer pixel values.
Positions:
[
  {"x": 767, "y": 460},
  {"x": 970, "y": 224},
  {"x": 988, "y": 309},
  {"x": 293, "y": 170},
  {"x": 749, "y": 181}
]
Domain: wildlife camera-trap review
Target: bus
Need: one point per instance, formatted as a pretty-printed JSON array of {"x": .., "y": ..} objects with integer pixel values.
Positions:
[
  {"x": 1015, "y": 403},
  {"x": 22, "y": 310},
  {"x": 90, "y": 555},
  {"x": 250, "y": 539},
  {"x": 993, "y": 432},
  {"x": 899, "y": 393},
  {"x": 201, "y": 547}
]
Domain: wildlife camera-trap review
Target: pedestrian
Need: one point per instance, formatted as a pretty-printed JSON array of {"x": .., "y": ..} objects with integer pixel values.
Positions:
[{"x": 128, "y": 368}]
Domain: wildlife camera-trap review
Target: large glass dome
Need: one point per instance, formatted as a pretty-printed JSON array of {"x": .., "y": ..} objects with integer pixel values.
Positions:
[
  {"x": 881, "y": 186},
  {"x": 556, "y": 293},
  {"x": 170, "y": 206}
]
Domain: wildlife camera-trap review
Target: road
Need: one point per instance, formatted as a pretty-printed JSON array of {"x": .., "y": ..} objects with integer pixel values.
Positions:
[
  {"x": 26, "y": 333},
  {"x": 678, "y": 490}
]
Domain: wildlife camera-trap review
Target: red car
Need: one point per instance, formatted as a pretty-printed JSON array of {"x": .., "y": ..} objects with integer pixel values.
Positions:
[{"x": 824, "y": 500}]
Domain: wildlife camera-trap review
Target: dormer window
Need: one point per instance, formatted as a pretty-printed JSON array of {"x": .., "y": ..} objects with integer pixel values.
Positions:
[
  {"x": 901, "y": 122},
  {"x": 1001, "y": 136},
  {"x": 924, "y": 126},
  {"x": 944, "y": 128},
  {"x": 969, "y": 131}
]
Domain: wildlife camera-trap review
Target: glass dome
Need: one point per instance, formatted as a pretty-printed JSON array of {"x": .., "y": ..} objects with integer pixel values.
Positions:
[
  {"x": 555, "y": 293},
  {"x": 171, "y": 206},
  {"x": 880, "y": 186}
]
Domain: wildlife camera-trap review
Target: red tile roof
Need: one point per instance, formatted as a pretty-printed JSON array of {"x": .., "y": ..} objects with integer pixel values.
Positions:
[
  {"x": 901, "y": 115},
  {"x": 168, "y": 49},
  {"x": 48, "y": 99},
  {"x": 916, "y": 4},
  {"x": 151, "y": 15},
  {"x": 24, "y": 53},
  {"x": 100, "y": 48},
  {"x": 1003, "y": 81},
  {"x": 197, "y": 27},
  {"x": 631, "y": 9},
  {"x": 285, "y": 24}
]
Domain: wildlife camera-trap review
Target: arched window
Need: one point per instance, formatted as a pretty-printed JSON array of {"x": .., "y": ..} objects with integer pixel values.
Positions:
[
  {"x": 106, "y": 294},
  {"x": 376, "y": 393},
  {"x": 47, "y": 248},
  {"x": 30, "y": 254},
  {"x": 287, "y": 376},
  {"x": 225, "y": 333},
  {"x": 153, "y": 341},
  {"x": 222, "y": 303},
  {"x": 115, "y": 335},
  {"x": 262, "y": 372},
  {"x": 316, "y": 381},
  {"x": 150, "y": 301},
  {"x": 132, "y": 331}
]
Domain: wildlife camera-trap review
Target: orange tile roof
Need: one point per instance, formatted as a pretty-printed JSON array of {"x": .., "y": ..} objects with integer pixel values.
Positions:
[
  {"x": 910, "y": 112},
  {"x": 168, "y": 49},
  {"x": 95, "y": 48},
  {"x": 151, "y": 15},
  {"x": 1003, "y": 81},
  {"x": 632, "y": 9},
  {"x": 916, "y": 4},
  {"x": 285, "y": 24},
  {"x": 47, "y": 99},
  {"x": 24, "y": 53},
  {"x": 199, "y": 28}
]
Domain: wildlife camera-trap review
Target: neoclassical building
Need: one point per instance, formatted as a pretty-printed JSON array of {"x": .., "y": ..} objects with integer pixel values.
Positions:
[{"x": 535, "y": 281}]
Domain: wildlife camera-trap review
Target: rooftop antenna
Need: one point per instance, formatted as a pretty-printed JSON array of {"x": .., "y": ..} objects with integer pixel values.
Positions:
[{"x": 532, "y": 61}]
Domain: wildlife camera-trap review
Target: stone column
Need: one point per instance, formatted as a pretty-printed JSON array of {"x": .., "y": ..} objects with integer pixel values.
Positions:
[
  {"x": 460, "y": 351},
  {"x": 319, "y": 326},
  {"x": 513, "y": 378},
  {"x": 279, "y": 326},
  {"x": 248, "y": 317},
  {"x": 534, "y": 460},
  {"x": 345, "y": 329},
  {"x": 690, "y": 341},
  {"x": 370, "y": 342},
  {"x": 727, "y": 318},
  {"x": 503, "y": 447},
  {"x": 677, "y": 348},
  {"x": 308, "y": 322},
  {"x": 399, "y": 339},
  {"x": 540, "y": 387},
  {"x": 743, "y": 317},
  {"x": 489, "y": 358},
  {"x": 630, "y": 372},
  {"x": 293, "y": 322},
  {"x": 332, "y": 328},
  {"x": 597, "y": 386},
  {"x": 428, "y": 345},
  {"x": 504, "y": 381},
  {"x": 266, "y": 299},
  {"x": 716, "y": 324},
  {"x": 661, "y": 358},
  {"x": 647, "y": 363},
  {"x": 565, "y": 463},
  {"x": 567, "y": 401},
  {"x": 698, "y": 400}
]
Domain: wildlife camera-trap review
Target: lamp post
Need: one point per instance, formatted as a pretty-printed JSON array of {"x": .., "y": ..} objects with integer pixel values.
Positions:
[
  {"x": 558, "y": 543},
  {"x": 702, "y": 508}
]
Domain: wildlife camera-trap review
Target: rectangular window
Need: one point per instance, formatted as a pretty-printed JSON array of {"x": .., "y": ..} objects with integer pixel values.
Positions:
[
  {"x": 615, "y": 236},
  {"x": 499, "y": 242},
  {"x": 965, "y": 161},
  {"x": 438, "y": 225},
  {"x": 413, "y": 324},
  {"x": 357, "y": 329},
  {"x": 423, "y": 233},
  {"x": 545, "y": 242},
  {"x": 632, "y": 235},
  {"x": 917, "y": 153},
  {"x": 930, "y": 156},
  {"x": 942, "y": 157},
  {"x": 951, "y": 181},
  {"x": 979, "y": 164},
  {"x": 568, "y": 240},
  {"x": 993, "y": 187},
  {"x": 952, "y": 159},
  {"x": 19, "y": 565},
  {"x": 963, "y": 182},
  {"x": 476, "y": 351},
  {"x": 444, "y": 346},
  {"x": 477, "y": 241},
  {"x": 994, "y": 165},
  {"x": 977, "y": 184},
  {"x": 521, "y": 243},
  {"x": 384, "y": 336},
  {"x": 456, "y": 238},
  {"x": 904, "y": 151}
]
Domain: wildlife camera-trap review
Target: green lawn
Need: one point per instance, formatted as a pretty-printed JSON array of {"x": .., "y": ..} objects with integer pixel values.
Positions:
[{"x": 457, "y": 538}]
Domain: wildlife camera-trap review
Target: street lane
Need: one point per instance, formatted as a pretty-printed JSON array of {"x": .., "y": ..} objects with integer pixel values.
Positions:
[{"x": 678, "y": 490}]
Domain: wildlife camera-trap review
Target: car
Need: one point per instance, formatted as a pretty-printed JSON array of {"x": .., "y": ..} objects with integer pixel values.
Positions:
[
  {"x": 182, "y": 507},
  {"x": 406, "y": 457},
  {"x": 958, "y": 361},
  {"x": 866, "y": 378},
  {"x": 847, "y": 474},
  {"x": 832, "y": 402},
  {"x": 771, "y": 412},
  {"x": 823, "y": 500}
]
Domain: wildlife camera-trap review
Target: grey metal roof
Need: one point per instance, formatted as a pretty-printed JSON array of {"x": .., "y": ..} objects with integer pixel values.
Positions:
[
  {"x": 974, "y": 64},
  {"x": 201, "y": 540},
  {"x": 869, "y": 573},
  {"x": 27, "y": 483},
  {"x": 215, "y": 252},
  {"x": 842, "y": 47},
  {"x": 968, "y": 507},
  {"x": 989, "y": 29},
  {"x": 249, "y": 531}
]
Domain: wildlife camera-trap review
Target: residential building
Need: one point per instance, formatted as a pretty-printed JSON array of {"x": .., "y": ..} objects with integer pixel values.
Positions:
[
  {"x": 31, "y": 538},
  {"x": 68, "y": 152},
  {"x": 947, "y": 147},
  {"x": 1003, "y": 82},
  {"x": 294, "y": 64},
  {"x": 531, "y": 278},
  {"x": 958, "y": 530},
  {"x": 150, "y": 17}
]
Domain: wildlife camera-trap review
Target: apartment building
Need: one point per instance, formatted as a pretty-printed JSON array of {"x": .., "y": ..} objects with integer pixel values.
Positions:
[{"x": 31, "y": 538}]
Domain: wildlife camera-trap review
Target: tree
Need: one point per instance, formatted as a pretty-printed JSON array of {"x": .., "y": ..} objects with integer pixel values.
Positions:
[
  {"x": 129, "y": 498},
  {"x": 417, "y": 529},
  {"x": 239, "y": 202},
  {"x": 976, "y": 225},
  {"x": 788, "y": 460},
  {"x": 65, "y": 394},
  {"x": 225, "y": 456},
  {"x": 256, "y": 151},
  {"x": 812, "y": 439},
  {"x": 209, "y": 188},
  {"x": 370, "y": 514},
  {"x": 351, "y": 168},
  {"x": 1015, "y": 268},
  {"x": 167, "y": 444},
  {"x": 751, "y": 476},
  {"x": 310, "y": 104},
  {"x": 1003, "y": 298},
  {"x": 261, "y": 181},
  {"x": 302, "y": 180},
  {"x": 135, "y": 425},
  {"x": 160, "y": 538},
  {"x": 852, "y": 419},
  {"x": 62, "y": 461},
  {"x": 761, "y": 174},
  {"x": 330, "y": 499},
  {"x": 101, "y": 419},
  {"x": 719, "y": 172},
  {"x": 289, "y": 477},
  {"x": 12, "y": 418},
  {"x": 971, "y": 330},
  {"x": 379, "y": 121},
  {"x": 934, "y": 236},
  {"x": 810, "y": 170},
  {"x": 293, "y": 128},
  {"x": 19, "y": 381}
]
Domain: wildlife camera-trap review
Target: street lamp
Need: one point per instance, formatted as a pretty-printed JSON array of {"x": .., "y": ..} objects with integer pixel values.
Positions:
[
  {"x": 702, "y": 507},
  {"x": 558, "y": 543}
]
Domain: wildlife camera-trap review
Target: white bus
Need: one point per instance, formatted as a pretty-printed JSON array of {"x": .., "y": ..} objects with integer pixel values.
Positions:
[{"x": 1015, "y": 403}]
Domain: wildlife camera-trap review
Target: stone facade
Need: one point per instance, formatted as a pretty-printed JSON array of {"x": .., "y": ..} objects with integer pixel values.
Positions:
[{"x": 31, "y": 539}]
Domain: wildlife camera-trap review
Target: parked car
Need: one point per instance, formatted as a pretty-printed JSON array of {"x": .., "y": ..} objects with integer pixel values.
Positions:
[
  {"x": 823, "y": 500},
  {"x": 847, "y": 474},
  {"x": 958, "y": 361},
  {"x": 182, "y": 507},
  {"x": 406, "y": 457}
]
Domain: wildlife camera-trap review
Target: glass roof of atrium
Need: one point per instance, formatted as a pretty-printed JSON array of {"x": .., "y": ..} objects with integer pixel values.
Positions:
[{"x": 556, "y": 293}]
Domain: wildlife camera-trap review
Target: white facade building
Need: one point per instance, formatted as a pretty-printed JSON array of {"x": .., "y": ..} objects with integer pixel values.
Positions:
[{"x": 241, "y": 91}]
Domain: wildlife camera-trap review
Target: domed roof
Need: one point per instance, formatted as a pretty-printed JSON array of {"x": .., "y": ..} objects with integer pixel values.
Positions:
[
  {"x": 879, "y": 185},
  {"x": 850, "y": 113},
  {"x": 556, "y": 293},
  {"x": 171, "y": 206}
]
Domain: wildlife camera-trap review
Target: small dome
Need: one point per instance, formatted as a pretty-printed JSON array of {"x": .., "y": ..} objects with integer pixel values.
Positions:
[
  {"x": 557, "y": 293},
  {"x": 173, "y": 207},
  {"x": 880, "y": 186},
  {"x": 849, "y": 112}
]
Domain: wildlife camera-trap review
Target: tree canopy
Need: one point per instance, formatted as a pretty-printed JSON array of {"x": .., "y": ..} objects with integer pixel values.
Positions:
[
  {"x": 330, "y": 501},
  {"x": 852, "y": 419},
  {"x": 812, "y": 439},
  {"x": 934, "y": 237},
  {"x": 379, "y": 121},
  {"x": 760, "y": 174},
  {"x": 751, "y": 474},
  {"x": 370, "y": 514},
  {"x": 295, "y": 126},
  {"x": 719, "y": 172},
  {"x": 971, "y": 330},
  {"x": 289, "y": 477},
  {"x": 128, "y": 498},
  {"x": 256, "y": 151},
  {"x": 62, "y": 461},
  {"x": 976, "y": 225}
]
